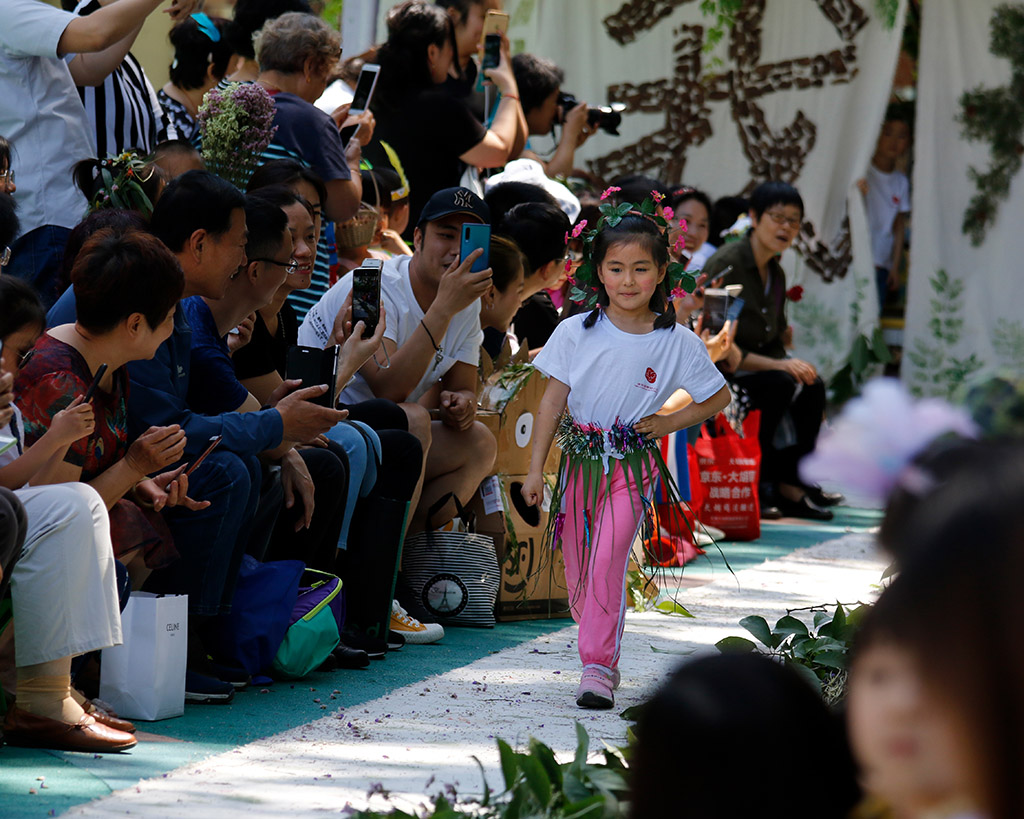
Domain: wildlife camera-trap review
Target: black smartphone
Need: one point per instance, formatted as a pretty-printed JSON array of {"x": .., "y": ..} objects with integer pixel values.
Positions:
[
  {"x": 366, "y": 295},
  {"x": 348, "y": 133},
  {"x": 216, "y": 439},
  {"x": 95, "y": 383},
  {"x": 492, "y": 51},
  {"x": 313, "y": 366},
  {"x": 476, "y": 236}
]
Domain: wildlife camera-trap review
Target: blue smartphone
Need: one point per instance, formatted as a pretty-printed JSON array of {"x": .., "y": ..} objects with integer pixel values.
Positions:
[
  {"x": 733, "y": 313},
  {"x": 476, "y": 236}
]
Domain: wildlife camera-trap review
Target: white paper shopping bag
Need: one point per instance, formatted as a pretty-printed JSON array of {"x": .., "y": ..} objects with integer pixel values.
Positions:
[{"x": 145, "y": 677}]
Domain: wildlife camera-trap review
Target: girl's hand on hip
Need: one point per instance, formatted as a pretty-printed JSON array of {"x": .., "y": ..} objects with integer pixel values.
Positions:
[{"x": 654, "y": 426}]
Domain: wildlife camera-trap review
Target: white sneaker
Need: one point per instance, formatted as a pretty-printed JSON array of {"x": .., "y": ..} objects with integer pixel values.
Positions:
[
  {"x": 709, "y": 531},
  {"x": 412, "y": 629}
]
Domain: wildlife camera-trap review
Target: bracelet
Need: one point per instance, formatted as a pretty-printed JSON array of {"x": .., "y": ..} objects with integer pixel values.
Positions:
[
  {"x": 430, "y": 336},
  {"x": 510, "y": 97}
]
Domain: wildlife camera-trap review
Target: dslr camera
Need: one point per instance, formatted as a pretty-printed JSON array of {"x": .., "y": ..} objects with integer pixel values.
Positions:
[{"x": 606, "y": 117}]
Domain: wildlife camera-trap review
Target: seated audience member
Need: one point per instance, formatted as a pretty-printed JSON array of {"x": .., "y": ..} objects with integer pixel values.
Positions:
[
  {"x": 748, "y": 708},
  {"x": 724, "y": 215},
  {"x": 201, "y": 219},
  {"x": 43, "y": 113},
  {"x": 385, "y": 460},
  {"x": 694, "y": 208},
  {"x": 540, "y": 232},
  {"x": 123, "y": 109},
  {"x": 126, "y": 290},
  {"x": 62, "y": 570},
  {"x": 297, "y": 53},
  {"x": 7, "y": 185},
  {"x": 394, "y": 213},
  {"x": 539, "y": 82},
  {"x": 9, "y": 225},
  {"x": 637, "y": 187},
  {"x": 398, "y": 218},
  {"x": 433, "y": 343},
  {"x": 107, "y": 186},
  {"x": 354, "y": 238},
  {"x": 935, "y": 719},
  {"x": 505, "y": 295},
  {"x": 175, "y": 157},
  {"x": 774, "y": 382},
  {"x": 248, "y": 17},
  {"x": 505, "y": 196},
  {"x": 201, "y": 56},
  {"x": 415, "y": 61}
]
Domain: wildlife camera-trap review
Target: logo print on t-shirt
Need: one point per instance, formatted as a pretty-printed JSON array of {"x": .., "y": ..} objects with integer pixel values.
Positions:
[{"x": 652, "y": 376}]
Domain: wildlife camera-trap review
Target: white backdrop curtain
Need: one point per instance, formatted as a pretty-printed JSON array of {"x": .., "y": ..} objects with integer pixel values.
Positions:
[
  {"x": 796, "y": 91},
  {"x": 964, "y": 302}
]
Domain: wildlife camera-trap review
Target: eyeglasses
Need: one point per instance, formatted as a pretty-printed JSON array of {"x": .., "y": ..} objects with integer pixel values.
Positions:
[
  {"x": 572, "y": 255},
  {"x": 5, "y": 257},
  {"x": 779, "y": 218},
  {"x": 290, "y": 267},
  {"x": 7, "y": 176}
]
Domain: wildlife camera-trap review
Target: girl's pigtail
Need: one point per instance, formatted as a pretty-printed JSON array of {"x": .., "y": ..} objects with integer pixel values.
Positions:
[
  {"x": 667, "y": 318},
  {"x": 591, "y": 319},
  {"x": 602, "y": 301}
]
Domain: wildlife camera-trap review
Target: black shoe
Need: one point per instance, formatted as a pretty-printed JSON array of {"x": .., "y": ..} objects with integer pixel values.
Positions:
[
  {"x": 374, "y": 647},
  {"x": 347, "y": 657},
  {"x": 200, "y": 688},
  {"x": 395, "y": 641},
  {"x": 770, "y": 512},
  {"x": 803, "y": 508},
  {"x": 819, "y": 497},
  {"x": 238, "y": 678}
]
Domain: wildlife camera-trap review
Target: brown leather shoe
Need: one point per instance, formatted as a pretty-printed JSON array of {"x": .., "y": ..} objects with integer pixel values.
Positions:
[
  {"x": 109, "y": 718},
  {"x": 26, "y": 730}
]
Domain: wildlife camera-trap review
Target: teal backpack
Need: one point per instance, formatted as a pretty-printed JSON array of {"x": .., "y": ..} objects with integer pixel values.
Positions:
[{"x": 315, "y": 627}]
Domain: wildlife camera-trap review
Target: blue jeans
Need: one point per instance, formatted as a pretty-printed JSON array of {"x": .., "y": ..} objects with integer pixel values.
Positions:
[
  {"x": 211, "y": 542},
  {"x": 362, "y": 467},
  {"x": 38, "y": 258}
]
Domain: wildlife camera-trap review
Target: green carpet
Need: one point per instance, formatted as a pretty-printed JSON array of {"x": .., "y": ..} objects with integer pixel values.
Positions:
[
  {"x": 778, "y": 538},
  {"x": 204, "y": 730}
]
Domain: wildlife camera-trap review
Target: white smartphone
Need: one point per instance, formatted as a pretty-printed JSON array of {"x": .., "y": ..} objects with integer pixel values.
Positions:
[{"x": 364, "y": 89}]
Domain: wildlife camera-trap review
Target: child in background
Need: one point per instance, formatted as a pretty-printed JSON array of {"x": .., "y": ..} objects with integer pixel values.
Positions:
[
  {"x": 887, "y": 200},
  {"x": 612, "y": 369}
]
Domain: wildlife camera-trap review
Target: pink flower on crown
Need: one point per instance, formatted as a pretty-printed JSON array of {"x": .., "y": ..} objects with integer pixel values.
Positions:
[
  {"x": 609, "y": 191},
  {"x": 567, "y": 237},
  {"x": 680, "y": 244},
  {"x": 678, "y": 293},
  {"x": 576, "y": 231},
  {"x": 568, "y": 265},
  {"x": 656, "y": 196},
  {"x": 682, "y": 224},
  {"x": 668, "y": 213}
]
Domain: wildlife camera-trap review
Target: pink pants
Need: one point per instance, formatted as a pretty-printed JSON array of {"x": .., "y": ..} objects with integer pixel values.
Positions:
[{"x": 596, "y": 578}]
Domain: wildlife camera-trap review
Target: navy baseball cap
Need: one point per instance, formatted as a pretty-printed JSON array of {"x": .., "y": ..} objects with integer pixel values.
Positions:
[{"x": 455, "y": 200}]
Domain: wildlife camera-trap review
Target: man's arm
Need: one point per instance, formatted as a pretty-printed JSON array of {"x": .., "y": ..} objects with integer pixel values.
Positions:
[
  {"x": 106, "y": 26},
  {"x": 93, "y": 69}
]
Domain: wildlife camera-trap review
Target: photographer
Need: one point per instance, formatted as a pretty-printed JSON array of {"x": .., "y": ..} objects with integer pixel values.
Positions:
[{"x": 540, "y": 82}]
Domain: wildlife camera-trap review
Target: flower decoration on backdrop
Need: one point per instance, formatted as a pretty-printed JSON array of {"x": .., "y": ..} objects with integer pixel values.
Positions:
[
  {"x": 583, "y": 290},
  {"x": 119, "y": 184},
  {"x": 795, "y": 293},
  {"x": 236, "y": 124}
]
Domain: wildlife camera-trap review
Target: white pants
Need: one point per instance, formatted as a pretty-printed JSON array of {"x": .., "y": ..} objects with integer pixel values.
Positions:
[{"x": 64, "y": 586}]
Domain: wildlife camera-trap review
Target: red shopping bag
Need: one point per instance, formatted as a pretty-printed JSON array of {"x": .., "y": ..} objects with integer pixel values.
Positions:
[{"x": 724, "y": 475}]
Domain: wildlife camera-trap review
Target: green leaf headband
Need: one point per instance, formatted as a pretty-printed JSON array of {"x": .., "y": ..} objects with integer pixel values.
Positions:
[{"x": 583, "y": 284}]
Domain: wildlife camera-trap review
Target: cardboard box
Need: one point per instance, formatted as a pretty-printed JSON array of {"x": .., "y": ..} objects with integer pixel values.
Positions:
[
  {"x": 532, "y": 575},
  {"x": 510, "y": 400}
]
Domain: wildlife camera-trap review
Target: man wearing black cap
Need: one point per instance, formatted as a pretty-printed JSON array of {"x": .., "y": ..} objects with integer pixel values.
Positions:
[{"x": 432, "y": 303}]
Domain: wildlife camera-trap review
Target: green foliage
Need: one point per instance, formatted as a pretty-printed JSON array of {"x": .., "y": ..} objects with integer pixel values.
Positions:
[
  {"x": 724, "y": 13},
  {"x": 996, "y": 116},
  {"x": 887, "y": 10},
  {"x": 937, "y": 372},
  {"x": 866, "y": 355},
  {"x": 537, "y": 785},
  {"x": 819, "y": 652}
]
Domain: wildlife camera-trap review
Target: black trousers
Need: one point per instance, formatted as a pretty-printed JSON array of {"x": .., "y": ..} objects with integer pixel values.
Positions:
[{"x": 774, "y": 393}]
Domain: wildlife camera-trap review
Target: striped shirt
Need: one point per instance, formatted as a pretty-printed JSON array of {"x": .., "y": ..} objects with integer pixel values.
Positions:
[{"x": 124, "y": 111}]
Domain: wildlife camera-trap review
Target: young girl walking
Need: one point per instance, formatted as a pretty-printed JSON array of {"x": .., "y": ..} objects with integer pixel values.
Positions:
[{"x": 610, "y": 371}]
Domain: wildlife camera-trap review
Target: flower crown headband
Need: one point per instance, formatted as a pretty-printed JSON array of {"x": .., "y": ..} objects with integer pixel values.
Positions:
[
  {"x": 584, "y": 282},
  {"x": 121, "y": 178}
]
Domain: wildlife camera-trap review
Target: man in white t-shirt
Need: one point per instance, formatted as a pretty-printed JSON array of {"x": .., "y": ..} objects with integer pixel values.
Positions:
[
  {"x": 431, "y": 301},
  {"x": 44, "y": 52}
]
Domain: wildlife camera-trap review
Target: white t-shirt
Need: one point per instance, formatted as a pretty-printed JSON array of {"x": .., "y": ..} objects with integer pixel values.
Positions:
[
  {"x": 15, "y": 428},
  {"x": 460, "y": 343},
  {"x": 41, "y": 114},
  {"x": 614, "y": 376},
  {"x": 888, "y": 195}
]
